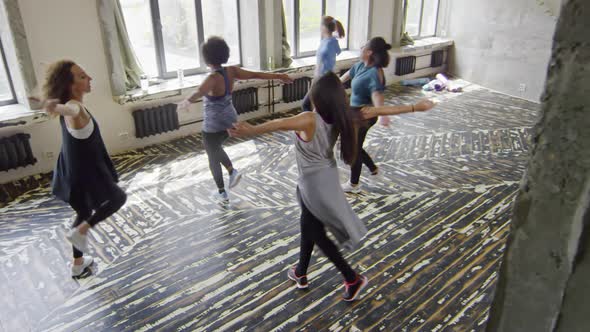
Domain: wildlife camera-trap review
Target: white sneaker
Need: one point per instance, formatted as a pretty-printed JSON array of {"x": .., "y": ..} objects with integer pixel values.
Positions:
[
  {"x": 222, "y": 197},
  {"x": 234, "y": 178},
  {"x": 79, "y": 271},
  {"x": 349, "y": 188},
  {"x": 77, "y": 239}
]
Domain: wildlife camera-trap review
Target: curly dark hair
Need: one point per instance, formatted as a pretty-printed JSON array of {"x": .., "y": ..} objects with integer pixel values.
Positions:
[
  {"x": 215, "y": 51},
  {"x": 59, "y": 80}
]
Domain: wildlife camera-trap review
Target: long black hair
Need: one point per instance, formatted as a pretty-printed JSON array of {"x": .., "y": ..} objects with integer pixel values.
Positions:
[
  {"x": 380, "y": 48},
  {"x": 331, "y": 103}
]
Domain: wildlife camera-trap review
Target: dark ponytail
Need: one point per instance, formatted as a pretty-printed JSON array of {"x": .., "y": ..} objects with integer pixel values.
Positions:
[
  {"x": 332, "y": 25},
  {"x": 380, "y": 48},
  {"x": 331, "y": 103}
]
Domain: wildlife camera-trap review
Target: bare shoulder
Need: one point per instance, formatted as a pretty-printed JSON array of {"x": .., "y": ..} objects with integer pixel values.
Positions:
[
  {"x": 307, "y": 116},
  {"x": 233, "y": 71}
]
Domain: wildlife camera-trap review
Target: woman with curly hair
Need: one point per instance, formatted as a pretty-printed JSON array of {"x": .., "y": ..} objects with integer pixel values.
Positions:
[{"x": 84, "y": 175}]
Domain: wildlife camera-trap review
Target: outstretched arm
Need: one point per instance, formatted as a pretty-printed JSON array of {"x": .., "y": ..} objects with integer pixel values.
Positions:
[
  {"x": 243, "y": 74},
  {"x": 344, "y": 78},
  {"x": 304, "y": 122},
  {"x": 421, "y": 106},
  {"x": 53, "y": 107},
  {"x": 203, "y": 90}
]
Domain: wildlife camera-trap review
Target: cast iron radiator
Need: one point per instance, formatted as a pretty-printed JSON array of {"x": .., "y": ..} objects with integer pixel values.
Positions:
[
  {"x": 405, "y": 65},
  {"x": 296, "y": 90},
  {"x": 245, "y": 100},
  {"x": 436, "y": 59},
  {"x": 15, "y": 152},
  {"x": 155, "y": 120}
]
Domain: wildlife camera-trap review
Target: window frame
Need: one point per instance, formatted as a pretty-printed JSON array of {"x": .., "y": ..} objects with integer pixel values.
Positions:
[
  {"x": 296, "y": 15},
  {"x": 419, "y": 35},
  {"x": 159, "y": 40},
  {"x": 13, "y": 100}
]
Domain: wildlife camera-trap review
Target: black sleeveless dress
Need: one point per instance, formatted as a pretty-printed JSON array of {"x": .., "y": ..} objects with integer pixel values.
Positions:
[{"x": 84, "y": 168}]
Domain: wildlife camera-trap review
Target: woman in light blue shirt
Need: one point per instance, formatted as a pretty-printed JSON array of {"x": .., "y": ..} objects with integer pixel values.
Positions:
[{"x": 327, "y": 52}]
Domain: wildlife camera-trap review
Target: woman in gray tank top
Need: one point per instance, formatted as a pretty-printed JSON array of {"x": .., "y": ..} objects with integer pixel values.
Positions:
[
  {"x": 322, "y": 200},
  {"x": 219, "y": 113},
  {"x": 323, "y": 203}
]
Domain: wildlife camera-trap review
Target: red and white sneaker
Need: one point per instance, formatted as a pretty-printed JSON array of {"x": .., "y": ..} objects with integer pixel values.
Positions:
[
  {"x": 353, "y": 289},
  {"x": 301, "y": 281}
]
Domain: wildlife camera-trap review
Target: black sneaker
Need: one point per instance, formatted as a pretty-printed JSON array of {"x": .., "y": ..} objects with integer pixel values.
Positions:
[
  {"x": 353, "y": 289},
  {"x": 301, "y": 281}
]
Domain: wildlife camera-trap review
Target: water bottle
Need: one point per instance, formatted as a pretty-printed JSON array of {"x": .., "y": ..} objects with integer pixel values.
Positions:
[
  {"x": 180, "y": 75},
  {"x": 144, "y": 82}
]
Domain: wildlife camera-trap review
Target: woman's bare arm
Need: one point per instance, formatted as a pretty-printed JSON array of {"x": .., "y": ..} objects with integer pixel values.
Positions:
[
  {"x": 344, "y": 78},
  {"x": 243, "y": 74},
  {"x": 372, "y": 112},
  {"x": 53, "y": 107},
  {"x": 304, "y": 122}
]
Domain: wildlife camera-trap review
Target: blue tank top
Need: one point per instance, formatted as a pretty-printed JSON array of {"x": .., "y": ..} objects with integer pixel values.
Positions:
[{"x": 219, "y": 113}]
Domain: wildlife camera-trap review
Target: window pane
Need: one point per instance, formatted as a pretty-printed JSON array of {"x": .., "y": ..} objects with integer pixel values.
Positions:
[
  {"x": 429, "y": 18},
  {"x": 310, "y": 17},
  {"x": 138, "y": 20},
  {"x": 179, "y": 33},
  {"x": 5, "y": 91},
  {"x": 339, "y": 10},
  {"x": 413, "y": 17},
  {"x": 288, "y": 5},
  {"x": 220, "y": 18}
]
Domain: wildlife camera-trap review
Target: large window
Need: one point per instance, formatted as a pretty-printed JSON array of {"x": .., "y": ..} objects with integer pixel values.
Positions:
[
  {"x": 7, "y": 95},
  {"x": 303, "y": 23},
  {"x": 166, "y": 34},
  {"x": 421, "y": 18}
]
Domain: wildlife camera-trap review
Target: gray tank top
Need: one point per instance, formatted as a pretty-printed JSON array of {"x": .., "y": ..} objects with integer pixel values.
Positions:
[
  {"x": 318, "y": 186},
  {"x": 219, "y": 113}
]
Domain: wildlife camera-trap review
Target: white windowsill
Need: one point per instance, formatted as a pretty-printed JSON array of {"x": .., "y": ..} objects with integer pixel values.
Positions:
[
  {"x": 171, "y": 87},
  {"x": 18, "y": 115},
  {"x": 423, "y": 44}
]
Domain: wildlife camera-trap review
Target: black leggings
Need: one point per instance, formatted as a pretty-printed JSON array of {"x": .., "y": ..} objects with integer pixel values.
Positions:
[
  {"x": 363, "y": 157},
  {"x": 313, "y": 232},
  {"x": 105, "y": 210},
  {"x": 217, "y": 156}
]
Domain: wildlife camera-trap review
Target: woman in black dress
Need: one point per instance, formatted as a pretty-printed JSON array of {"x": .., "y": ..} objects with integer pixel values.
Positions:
[{"x": 84, "y": 175}]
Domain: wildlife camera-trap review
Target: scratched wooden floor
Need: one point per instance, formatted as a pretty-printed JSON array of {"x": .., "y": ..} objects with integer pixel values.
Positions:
[{"x": 173, "y": 259}]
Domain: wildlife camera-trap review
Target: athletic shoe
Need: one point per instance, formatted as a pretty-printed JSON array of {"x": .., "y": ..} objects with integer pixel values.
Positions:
[
  {"x": 234, "y": 178},
  {"x": 375, "y": 172},
  {"x": 301, "y": 281},
  {"x": 222, "y": 197},
  {"x": 353, "y": 289},
  {"x": 78, "y": 240},
  {"x": 82, "y": 270},
  {"x": 349, "y": 188}
]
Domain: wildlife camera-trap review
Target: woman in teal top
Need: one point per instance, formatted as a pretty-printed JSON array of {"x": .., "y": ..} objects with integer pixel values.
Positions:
[{"x": 368, "y": 84}]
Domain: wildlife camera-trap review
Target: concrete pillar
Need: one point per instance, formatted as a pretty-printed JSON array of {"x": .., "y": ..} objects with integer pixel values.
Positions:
[{"x": 543, "y": 283}]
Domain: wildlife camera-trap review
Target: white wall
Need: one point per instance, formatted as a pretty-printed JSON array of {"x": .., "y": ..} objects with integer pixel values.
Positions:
[{"x": 501, "y": 44}]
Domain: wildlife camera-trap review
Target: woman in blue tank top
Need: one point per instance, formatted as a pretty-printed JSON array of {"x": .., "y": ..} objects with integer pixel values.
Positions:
[
  {"x": 219, "y": 113},
  {"x": 326, "y": 53}
]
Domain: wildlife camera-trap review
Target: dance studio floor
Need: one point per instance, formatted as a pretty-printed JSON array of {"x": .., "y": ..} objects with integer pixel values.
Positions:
[{"x": 173, "y": 259}]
